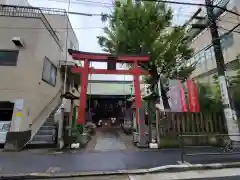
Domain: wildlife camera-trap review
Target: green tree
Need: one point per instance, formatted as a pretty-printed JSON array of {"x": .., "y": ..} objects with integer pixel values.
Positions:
[
  {"x": 209, "y": 97},
  {"x": 145, "y": 28}
]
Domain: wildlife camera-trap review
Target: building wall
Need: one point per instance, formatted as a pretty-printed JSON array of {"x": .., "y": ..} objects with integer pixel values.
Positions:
[
  {"x": 204, "y": 53},
  {"x": 63, "y": 29},
  {"x": 24, "y": 81},
  {"x": 15, "y": 2}
]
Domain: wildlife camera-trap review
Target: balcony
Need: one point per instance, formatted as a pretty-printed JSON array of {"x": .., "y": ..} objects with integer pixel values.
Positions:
[{"x": 31, "y": 12}]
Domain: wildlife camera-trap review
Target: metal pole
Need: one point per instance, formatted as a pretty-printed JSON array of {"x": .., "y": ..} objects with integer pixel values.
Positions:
[
  {"x": 61, "y": 120},
  {"x": 232, "y": 125},
  {"x": 157, "y": 126},
  {"x": 66, "y": 53},
  {"x": 182, "y": 147}
]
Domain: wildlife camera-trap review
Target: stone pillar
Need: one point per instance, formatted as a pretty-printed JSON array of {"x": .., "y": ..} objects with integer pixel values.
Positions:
[{"x": 60, "y": 130}]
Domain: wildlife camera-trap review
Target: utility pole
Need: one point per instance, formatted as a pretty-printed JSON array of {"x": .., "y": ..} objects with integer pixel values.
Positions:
[{"x": 231, "y": 121}]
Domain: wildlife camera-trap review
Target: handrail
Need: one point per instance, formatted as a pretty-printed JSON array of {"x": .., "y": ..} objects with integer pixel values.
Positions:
[
  {"x": 49, "y": 103},
  {"x": 61, "y": 106},
  {"x": 51, "y": 31}
]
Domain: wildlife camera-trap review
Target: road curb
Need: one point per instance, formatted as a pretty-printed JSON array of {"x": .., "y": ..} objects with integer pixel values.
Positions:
[{"x": 161, "y": 169}]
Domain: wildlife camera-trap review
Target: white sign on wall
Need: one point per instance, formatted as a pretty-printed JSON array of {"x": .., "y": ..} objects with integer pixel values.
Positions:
[{"x": 19, "y": 103}]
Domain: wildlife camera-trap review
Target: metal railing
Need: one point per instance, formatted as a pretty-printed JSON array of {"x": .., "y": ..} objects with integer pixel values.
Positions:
[
  {"x": 29, "y": 12},
  {"x": 53, "y": 11},
  {"x": 221, "y": 148}
]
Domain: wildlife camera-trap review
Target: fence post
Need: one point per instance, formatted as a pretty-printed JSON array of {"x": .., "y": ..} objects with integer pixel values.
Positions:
[{"x": 182, "y": 147}]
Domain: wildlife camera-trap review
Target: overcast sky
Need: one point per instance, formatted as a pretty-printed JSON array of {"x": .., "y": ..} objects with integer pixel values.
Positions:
[{"x": 88, "y": 28}]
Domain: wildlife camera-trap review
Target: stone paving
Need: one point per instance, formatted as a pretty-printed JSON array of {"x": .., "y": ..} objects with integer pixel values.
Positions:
[{"x": 110, "y": 140}]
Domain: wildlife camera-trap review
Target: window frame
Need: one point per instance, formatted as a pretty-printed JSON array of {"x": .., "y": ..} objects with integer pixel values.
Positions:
[
  {"x": 8, "y": 50},
  {"x": 50, "y": 79}
]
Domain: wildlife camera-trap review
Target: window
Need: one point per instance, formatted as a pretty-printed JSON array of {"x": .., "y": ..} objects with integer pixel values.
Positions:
[
  {"x": 8, "y": 57},
  {"x": 197, "y": 58},
  {"x": 49, "y": 72},
  {"x": 202, "y": 57},
  {"x": 227, "y": 40}
]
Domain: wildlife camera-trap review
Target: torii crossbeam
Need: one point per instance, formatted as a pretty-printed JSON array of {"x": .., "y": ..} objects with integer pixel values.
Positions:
[{"x": 100, "y": 57}]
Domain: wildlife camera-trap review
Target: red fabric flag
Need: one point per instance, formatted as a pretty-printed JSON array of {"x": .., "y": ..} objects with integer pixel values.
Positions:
[
  {"x": 193, "y": 96},
  {"x": 183, "y": 98}
]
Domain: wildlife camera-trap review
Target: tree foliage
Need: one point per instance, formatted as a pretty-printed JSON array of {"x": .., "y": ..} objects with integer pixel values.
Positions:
[
  {"x": 147, "y": 28},
  {"x": 209, "y": 97}
]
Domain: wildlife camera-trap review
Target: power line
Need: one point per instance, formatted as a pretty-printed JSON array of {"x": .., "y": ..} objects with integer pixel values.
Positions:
[
  {"x": 220, "y": 37},
  {"x": 87, "y": 3},
  {"x": 162, "y": 1},
  {"x": 32, "y": 28},
  {"x": 228, "y": 29},
  {"x": 194, "y": 4}
]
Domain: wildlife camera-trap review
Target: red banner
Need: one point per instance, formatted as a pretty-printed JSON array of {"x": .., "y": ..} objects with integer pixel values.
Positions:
[
  {"x": 193, "y": 96},
  {"x": 183, "y": 98}
]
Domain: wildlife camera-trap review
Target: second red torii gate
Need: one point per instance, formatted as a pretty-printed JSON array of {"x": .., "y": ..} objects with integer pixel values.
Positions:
[{"x": 100, "y": 57}]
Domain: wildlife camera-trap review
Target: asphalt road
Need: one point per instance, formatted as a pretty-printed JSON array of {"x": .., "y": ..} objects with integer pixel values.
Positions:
[
  {"x": 111, "y": 154},
  {"x": 95, "y": 178},
  {"x": 126, "y": 178}
]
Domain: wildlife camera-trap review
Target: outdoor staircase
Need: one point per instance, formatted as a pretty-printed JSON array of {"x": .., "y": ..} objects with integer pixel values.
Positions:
[{"x": 46, "y": 135}]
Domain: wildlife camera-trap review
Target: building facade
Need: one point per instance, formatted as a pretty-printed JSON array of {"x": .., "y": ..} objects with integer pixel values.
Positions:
[
  {"x": 203, "y": 49},
  {"x": 31, "y": 77}
]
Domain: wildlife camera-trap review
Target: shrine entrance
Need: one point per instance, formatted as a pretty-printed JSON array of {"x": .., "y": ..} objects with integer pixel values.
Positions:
[
  {"x": 100, "y": 107},
  {"x": 111, "y": 60}
]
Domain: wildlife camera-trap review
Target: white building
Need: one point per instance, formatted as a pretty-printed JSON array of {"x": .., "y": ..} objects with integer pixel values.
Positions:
[
  {"x": 32, "y": 49},
  {"x": 201, "y": 42}
]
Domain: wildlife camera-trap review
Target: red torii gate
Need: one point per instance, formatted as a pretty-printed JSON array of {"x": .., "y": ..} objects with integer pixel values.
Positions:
[{"x": 100, "y": 57}]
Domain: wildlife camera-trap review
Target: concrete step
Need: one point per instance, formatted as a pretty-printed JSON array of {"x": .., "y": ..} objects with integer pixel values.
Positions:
[
  {"x": 46, "y": 132},
  {"x": 47, "y": 128},
  {"x": 43, "y": 138},
  {"x": 41, "y": 142},
  {"x": 50, "y": 119},
  {"x": 48, "y": 124}
]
